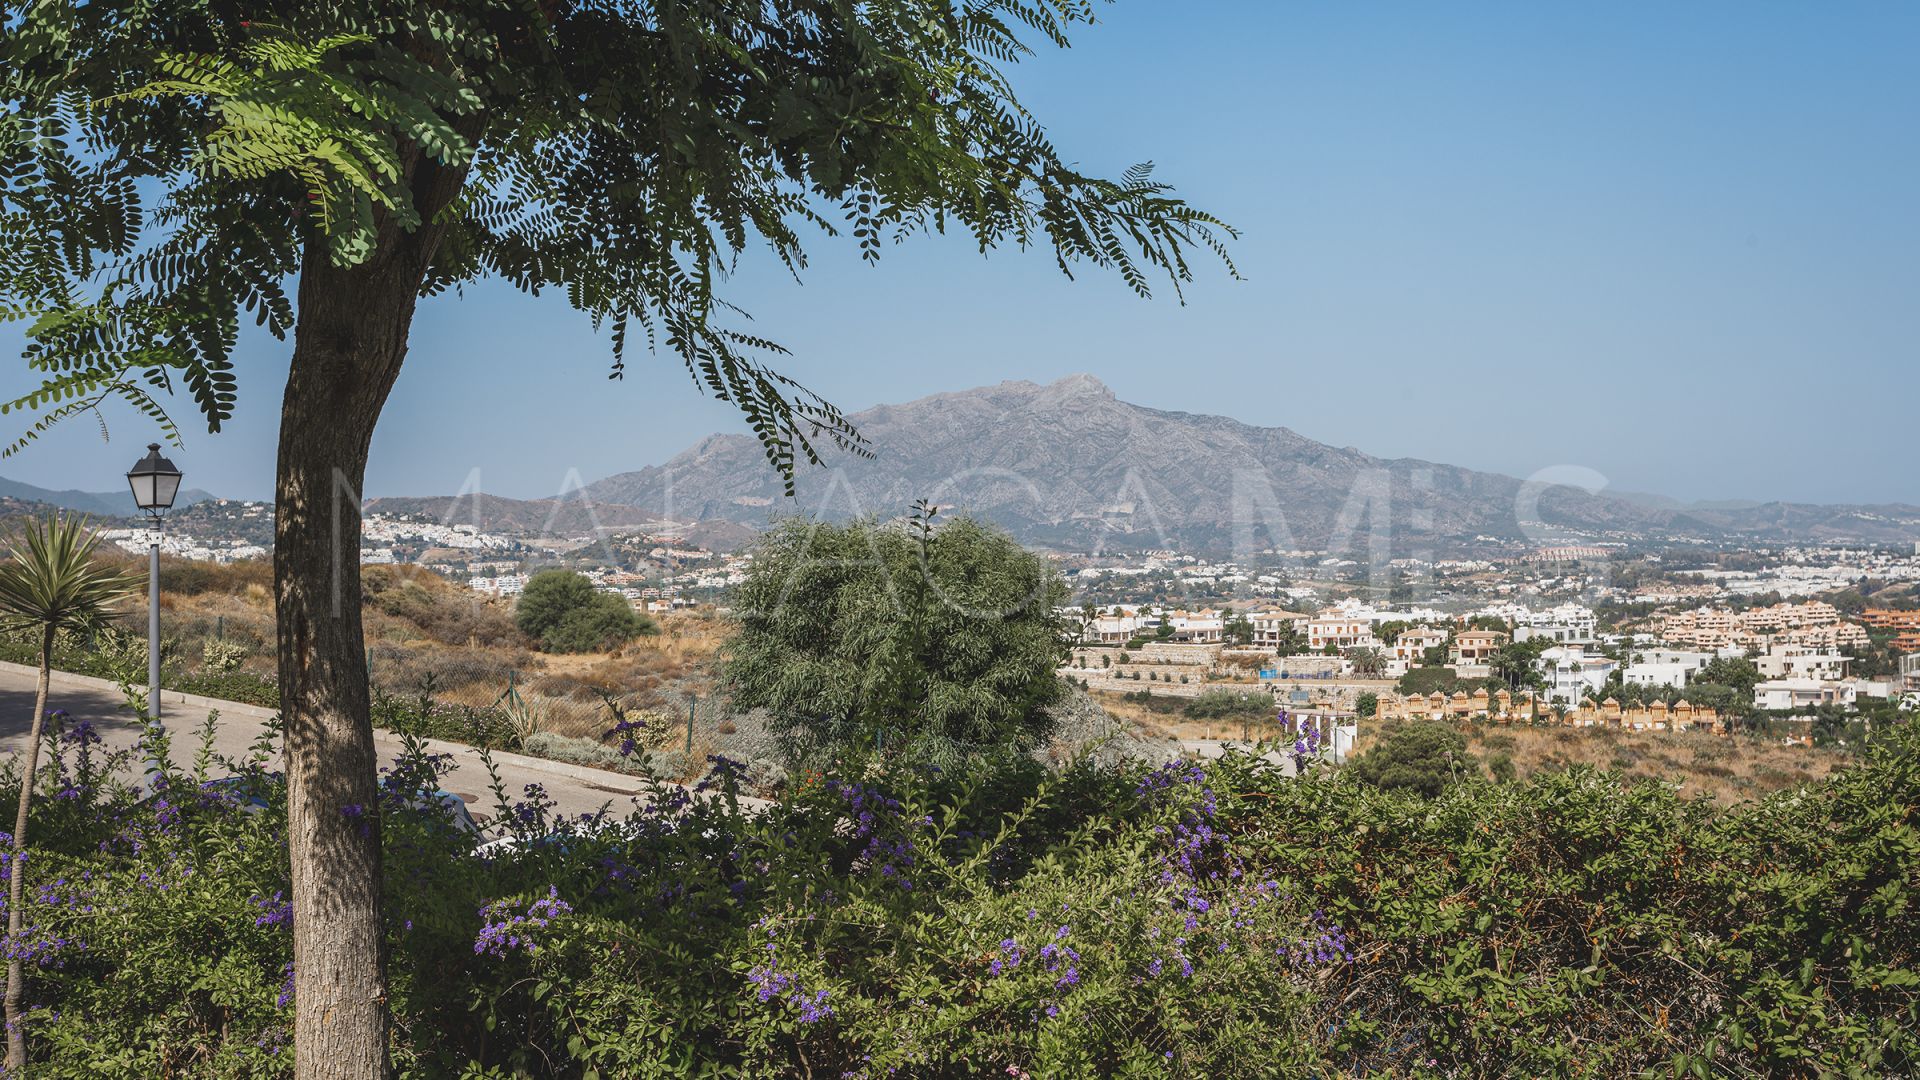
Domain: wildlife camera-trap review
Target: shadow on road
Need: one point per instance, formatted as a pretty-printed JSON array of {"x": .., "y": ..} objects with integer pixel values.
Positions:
[{"x": 104, "y": 709}]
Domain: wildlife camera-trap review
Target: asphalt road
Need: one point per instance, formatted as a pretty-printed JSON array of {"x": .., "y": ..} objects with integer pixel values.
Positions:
[{"x": 575, "y": 789}]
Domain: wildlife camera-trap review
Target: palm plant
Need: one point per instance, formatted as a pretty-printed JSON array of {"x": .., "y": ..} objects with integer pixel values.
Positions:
[{"x": 50, "y": 583}]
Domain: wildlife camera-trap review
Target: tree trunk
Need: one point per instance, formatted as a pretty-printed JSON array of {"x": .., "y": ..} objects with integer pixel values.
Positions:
[
  {"x": 350, "y": 341},
  {"x": 16, "y": 869}
]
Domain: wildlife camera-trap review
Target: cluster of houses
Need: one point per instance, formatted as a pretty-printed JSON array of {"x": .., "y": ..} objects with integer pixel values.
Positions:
[
  {"x": 1814, "y": 623},
  {"x": 1797, "y": 647},
  {"x": 1507, "y": 708}
]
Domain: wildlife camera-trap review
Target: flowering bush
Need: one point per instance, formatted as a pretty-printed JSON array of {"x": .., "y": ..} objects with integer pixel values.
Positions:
[{"x": 1195, "y": 920}]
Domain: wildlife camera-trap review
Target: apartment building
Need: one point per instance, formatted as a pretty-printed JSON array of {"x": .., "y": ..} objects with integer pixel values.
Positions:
[
  {"x": 1802, "y": 693},
  {"x": 1340, "y": 631},
  {"x": 1769, "y": 620},
  {"x": 1477, "y": 646},
  {"x": 1567, "y": 624},
  {"x": 1270, "y": 626},
  {"x": 1891, "y": 619},
  {"x": 1412, "y": 644},
  {"x": 1572, "y": 674},
  {"x": 1666, "y": 667},
  {"x": 1789, "y": 661}
]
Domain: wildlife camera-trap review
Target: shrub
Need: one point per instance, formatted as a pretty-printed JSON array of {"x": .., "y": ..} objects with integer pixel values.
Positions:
[
  {"x": 566, "y": 613},
  {"x": 1193, "y": 920},
  {"x": 1421, "y": 757},
  {"x": 220, "y": 657},
  {"x": 949, "y": 633},
  {"x": 578, "y": 752},
  {"x": 241, "y": 686},
  {"x": 1231, "y": 704},
  {"x": 606, "y": 621}
]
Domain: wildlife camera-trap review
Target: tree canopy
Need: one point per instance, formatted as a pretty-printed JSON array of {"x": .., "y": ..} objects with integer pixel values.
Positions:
[
  {"x": 1421, "y": 757},
  {"x": 169, "y": 166},
  {"x": 949, "y": 632},
  {"x": 565, "y": 613}
]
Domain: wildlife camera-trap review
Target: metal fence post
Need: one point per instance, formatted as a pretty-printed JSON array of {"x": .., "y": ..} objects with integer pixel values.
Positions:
[{"x": 692, "y": 701}]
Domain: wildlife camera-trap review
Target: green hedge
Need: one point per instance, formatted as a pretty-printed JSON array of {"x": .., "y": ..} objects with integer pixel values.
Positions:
[{"x": 1004, "y": 921}]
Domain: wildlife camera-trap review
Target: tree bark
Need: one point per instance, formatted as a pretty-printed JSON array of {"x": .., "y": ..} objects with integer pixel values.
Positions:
[
  {"x": 16, "y": 869},
  {"x": 348, "y": 347}
]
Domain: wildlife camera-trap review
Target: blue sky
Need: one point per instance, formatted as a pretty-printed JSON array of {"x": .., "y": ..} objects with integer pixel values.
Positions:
[{"x": 1675, "y": 243}]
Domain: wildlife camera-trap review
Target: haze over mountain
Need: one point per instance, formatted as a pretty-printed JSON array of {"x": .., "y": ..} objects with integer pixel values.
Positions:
[
  {"x": 97, "y": 503},
  {"x": 1070, "y": 464}
]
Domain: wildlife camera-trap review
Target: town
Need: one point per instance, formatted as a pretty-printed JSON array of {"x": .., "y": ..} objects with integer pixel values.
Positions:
[{"x": 1684, "y": 635}]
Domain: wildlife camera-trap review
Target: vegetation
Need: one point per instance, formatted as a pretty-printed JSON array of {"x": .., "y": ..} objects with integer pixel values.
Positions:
[
  {"x": 1226, "y": 704},
  {"x": 49, "y": 583},
  {"x": 863, "y": 631},
  {"x": 174, "y": 166},
  {"x": 1422, "y": 757},
  {"x": 1217, "y": 920},
  {"x": 564, "y": 611}
]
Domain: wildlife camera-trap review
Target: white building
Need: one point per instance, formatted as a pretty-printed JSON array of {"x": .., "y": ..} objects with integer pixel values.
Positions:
[
  {"x": 1197, "y": 627},
  {"x": 1412, "y": 644},
  {"x": 1802, "y": 662},
  {"x": 1269, "y": 626},
  {"x": 1573, "y": 674},
  {"x": 1801, "y": 693},
  {"x": 1665, "y": 667},
  {"x": 1567, "y": 624},
  {"x": 1341, "y": 631}
]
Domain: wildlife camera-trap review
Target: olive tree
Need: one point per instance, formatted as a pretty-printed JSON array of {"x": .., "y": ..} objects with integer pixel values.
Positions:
[{"x": 169, "y": 168}]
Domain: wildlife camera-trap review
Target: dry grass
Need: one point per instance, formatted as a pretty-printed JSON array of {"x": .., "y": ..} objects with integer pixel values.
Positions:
[
  {"x": 425, "y": 631},
  {"x": 1149, "y": 723},
  {"x": 1726, "y": 768}
]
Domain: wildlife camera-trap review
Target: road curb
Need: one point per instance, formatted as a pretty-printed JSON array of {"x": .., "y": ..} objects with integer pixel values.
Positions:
[{"x": 616, "y": 783}]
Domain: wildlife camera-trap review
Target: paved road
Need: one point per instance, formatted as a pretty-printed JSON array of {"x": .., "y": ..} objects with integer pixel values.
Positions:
[{"x": 575, "y": 788}]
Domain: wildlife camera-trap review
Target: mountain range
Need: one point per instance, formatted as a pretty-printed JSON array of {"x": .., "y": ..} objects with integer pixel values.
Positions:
[
  {"x": 1069, "y": 464},
  {"x": 96, "y": 503}
]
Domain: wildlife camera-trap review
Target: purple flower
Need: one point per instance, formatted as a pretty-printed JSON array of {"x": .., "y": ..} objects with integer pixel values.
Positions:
[
  {"x": 506, "y": 930},
  {"x": 275, "y": 910}
]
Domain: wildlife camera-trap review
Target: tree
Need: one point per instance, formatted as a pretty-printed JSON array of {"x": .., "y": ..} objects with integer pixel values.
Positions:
[
  {"x": 1368, "y": 663},
  {"x": 1238, "y": 630},
  {"x": 604, "y": 622},
  {"x": 1366, "y": 705},
  {"x": 1516, "y": 664},
  {"x": 1421, "y": 757},
  {"x": 548, "y": 597},
  {"x": 848, "y": 631},
  {"x": 171, "y": 166},
  {"x": 565, "y": 613},
  {"x": 1736, "y": 673},
  {"x": 49, "y": 584},
  {"x": 1425, "y": 680}
]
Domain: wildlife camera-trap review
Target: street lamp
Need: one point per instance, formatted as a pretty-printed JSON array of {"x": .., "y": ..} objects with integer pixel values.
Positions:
[{"x": 155, "y": 482}]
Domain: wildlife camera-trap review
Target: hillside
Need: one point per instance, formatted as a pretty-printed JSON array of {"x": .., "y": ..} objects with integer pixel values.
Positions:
[
  {"x": 572, "y": 515},
  {"x": 98, "y": 503},
  {"x": 1069, "y": 463}
]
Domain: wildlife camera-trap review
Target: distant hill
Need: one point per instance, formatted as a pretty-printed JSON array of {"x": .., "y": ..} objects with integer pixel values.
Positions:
[
  {"x": 572, "y": 515},
  {"x": 1070, "y": 464},
  {"x": 97, "y": 503}
]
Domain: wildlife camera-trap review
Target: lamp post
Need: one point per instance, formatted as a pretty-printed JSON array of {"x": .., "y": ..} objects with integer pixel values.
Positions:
[{"x": 155, "y": 482}]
